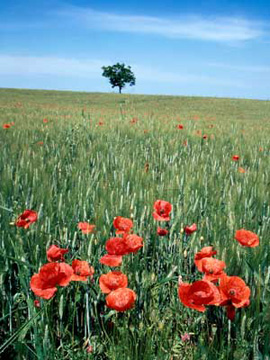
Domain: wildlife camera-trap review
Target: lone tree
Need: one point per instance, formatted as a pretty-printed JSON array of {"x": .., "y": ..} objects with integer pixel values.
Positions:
[{"x": 119, "y": 75}]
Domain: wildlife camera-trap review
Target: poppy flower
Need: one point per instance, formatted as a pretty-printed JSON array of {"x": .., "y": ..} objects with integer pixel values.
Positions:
[
  {"x": 206, "y": 252},
  {"x": 45, "y": 121},
  {"x": 55, "y": 253},
  {"x": 204, "y": 137},
  {"x": 234, "y": 291},
  {"x": 50, "y": 275},
  {"x": 37, "y": 303},
  {"x": 230, "y": 311},
  {"x": 82, "y": 270},
  {"x": 130, "y": 243},
  {"x": 180, "y": 127},
  {"x": 40, "y": 143},
  {"x": 116, "y": 246},
  {"x": 111, "y": 260},
  {"x": 12, "y": 123},
  {"x": 6, "y": 126},
  {"x": 247, "y": 238},
  {"x": 121, "y": 299},
  {"x": 185, "y": 143},
  {"x": 241, "y": 170},
  {"x": 86, "y": 228},
  {"x": 235, "y": 157},
  {"x": 112, "y": 281},
  {"x": 162, "y": 210},
  {"x": 162, "y": 232},
  {"x": 190, "y": 229},
  {"x": 27, "y": 218},
  {"x": 122, "y": 225},
  {"x": 213, "y": 269},
  {"x": 133, "y": 243},
  {"x": 198, "y": 294}
]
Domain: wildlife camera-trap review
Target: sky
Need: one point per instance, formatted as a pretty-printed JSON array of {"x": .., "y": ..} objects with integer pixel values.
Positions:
[{"x": 193, "y": 48}]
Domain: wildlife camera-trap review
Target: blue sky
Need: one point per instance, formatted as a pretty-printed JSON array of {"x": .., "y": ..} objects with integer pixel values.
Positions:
[{"x": 205, "y": 48}]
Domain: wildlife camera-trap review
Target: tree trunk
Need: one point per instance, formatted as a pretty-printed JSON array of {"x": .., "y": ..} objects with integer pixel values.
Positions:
[{"x": 120, "y": 90}]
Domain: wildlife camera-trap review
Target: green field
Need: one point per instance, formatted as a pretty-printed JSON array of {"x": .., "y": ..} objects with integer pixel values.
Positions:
[{"x": 91, "y": 162}]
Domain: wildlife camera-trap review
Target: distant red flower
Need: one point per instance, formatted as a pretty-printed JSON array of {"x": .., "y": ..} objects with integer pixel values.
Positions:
[
  {"x": 247, "y": 238},
  {"x": 111, "y": 260},
  {"x": 12, "y": 123},
  {"x": 55, "y": 253},
  {"x": 86, "y": 228},
  {"x": 205, "y": 137},
  {"x": 40, "y": 143},
  {"x": 190, "y": 229},
  {"x": 206, "y": 252},
  {"x": 6, "y": 126},
  {"x": 234, "y": 291},
  {"x": 45, "y": 121},
  {"x": 122, "y": 225},
  {"x": 121, "y": 299},
  {"x": 27, "y": 218},
  {"x": 162, "y": 232},
  {"x": 185, "y": 143},
  {"x": 82, "y": 270},
  {"x": 112, "y": 281},
  {"x": 213, "y": 268},
  {"x": 162, "y": 210},
  {"x": 235, "y": 157},
  {"x": 134, "y": 120},
  {"x": 50, "y": 275},
  {"x": 180, "y": 127},
  {"x": 37, "y": 303},
  {"x": 198, "y": 294},
  {"x": 241, "y": 170},
  {"x": 100, "y": 123}
]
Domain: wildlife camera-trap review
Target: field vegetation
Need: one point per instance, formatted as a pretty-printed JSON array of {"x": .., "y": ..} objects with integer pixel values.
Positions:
[{"x": 90, "y": 157}]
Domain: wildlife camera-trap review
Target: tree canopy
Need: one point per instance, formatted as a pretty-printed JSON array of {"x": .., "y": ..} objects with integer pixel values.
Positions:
[{"x": 119, "y": 75}]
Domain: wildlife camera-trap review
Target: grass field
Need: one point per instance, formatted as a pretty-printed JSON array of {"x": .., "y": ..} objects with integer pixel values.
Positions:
[{"x": 99, "y": 156}]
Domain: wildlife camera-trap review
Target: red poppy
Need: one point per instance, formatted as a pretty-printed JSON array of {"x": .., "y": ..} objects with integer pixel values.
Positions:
[
  {"x": 198, "y": 294},
  {"x": 206, "y": 252},
  {"x": 112, "y": 281},
  {"x": 55, "y": 253},
  {"x": 50, "y": 275},
  {"x": 180, "y": 127},
  {"x": 6, "y": 126},
  {"x": 133, "y": 243},
  {"x": 247, "y": 238},
  {"x": 111, "y": 260},
  {"x": 134, "y": 120},
  {"x": 116, "y": 246},
  {"x": 123, "y": 246},
  {"x": 45, "y": 121},
  {"x": 230, "y": 310},
  {"x": 234, "y": 291},
  {"x": 100, "y": 123},
  {"x": 204, "y": 137},
  {"x": 213, "y": 268},
  {"x": 12, "y": 123},
  {"x": 40, "y": 143},
  {"x": 162, "y": 232},
  {"x": 122, "y": 225},
  {"x": 235, "y": 157},
  {"x": 37, "y": 303},
  {"x": 82, "y": 270},
  {"x": 121, "y": 299},
  {"x": 86, "y": 228},
  {"x": 190, "y": 229},
  {"x": 162, "y": 210},
  {"x": 241, "y": 170},
  {"x": 27, "y": 218}
]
